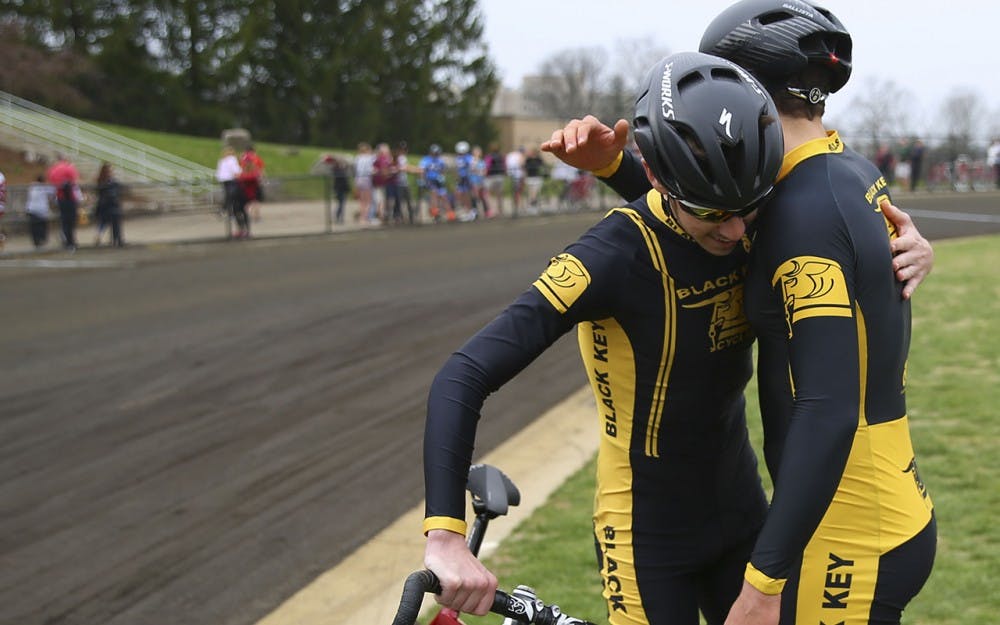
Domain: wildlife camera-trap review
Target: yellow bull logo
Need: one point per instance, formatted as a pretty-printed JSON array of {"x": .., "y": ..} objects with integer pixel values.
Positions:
[
  {"x": 729, "y": 325},
  {"x": 812, "y": 287}
]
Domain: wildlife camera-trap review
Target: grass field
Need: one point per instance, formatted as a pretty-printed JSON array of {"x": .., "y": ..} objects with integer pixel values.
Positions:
[
  {"x": 281, "y": 160},
  {"x": 953, "y": 382}
]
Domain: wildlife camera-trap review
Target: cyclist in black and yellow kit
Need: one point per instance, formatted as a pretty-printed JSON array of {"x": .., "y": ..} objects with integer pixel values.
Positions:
[
  {"x": 850, "y": 537},
  {"x": 656, "y": 296}
]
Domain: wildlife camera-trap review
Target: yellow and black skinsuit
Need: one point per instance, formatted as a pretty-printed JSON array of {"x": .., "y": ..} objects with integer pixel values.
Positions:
[
  {"x": 666, "y": 348},
  {"x": 851, "y": 525}
]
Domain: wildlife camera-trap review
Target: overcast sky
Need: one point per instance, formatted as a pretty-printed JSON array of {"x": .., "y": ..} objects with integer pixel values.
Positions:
[{"x": 930, "y": 49}]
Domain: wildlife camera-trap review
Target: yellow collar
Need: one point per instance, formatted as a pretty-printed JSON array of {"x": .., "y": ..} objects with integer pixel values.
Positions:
[
  {"x": 656, "y": 202},
  {"x": 831, "y": 144}
]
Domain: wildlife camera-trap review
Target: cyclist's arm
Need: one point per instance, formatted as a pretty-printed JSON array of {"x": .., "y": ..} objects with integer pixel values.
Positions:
[
  {"x": 626, "y": 177},
  {"x": 486, "y": 362},
  {"x": 822, "y": 363},
  {"x": 591, "y": 145},
  {"x": 542, "y": 314}
]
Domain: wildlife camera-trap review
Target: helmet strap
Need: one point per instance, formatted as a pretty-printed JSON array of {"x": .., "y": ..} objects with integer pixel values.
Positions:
[{"x": 815, "y": 95}]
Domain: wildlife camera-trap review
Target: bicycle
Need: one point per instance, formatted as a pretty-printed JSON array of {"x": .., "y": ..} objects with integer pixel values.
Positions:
[{"x": 492, "y": 493}]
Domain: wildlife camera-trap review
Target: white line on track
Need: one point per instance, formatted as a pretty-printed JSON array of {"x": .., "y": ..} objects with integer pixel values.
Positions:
[
  {"x": 977, "y": 217},
  {"x": 21, "y": 263}
]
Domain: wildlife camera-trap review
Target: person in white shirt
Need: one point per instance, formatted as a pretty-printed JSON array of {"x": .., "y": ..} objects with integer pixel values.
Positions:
[
  {"x": 515, "y": 171},
  {"x": 993, "y": 160},
  {"x": 38, "y": 205},
  {"x": 227, "y": 171}
]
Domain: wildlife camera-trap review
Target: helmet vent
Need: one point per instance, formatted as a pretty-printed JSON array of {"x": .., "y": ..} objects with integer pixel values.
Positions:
[
  {"x": 723, "y": 73},
  {"x": 688, "y": 80},
  {"x": 734, "y": 159},
  {"x": 774, "y": 17}
]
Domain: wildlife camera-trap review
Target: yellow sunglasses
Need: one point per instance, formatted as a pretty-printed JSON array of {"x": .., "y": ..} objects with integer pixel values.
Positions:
[{"x": 714, "y": 215}]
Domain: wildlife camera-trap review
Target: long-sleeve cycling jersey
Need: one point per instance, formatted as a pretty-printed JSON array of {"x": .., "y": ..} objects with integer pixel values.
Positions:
[
  {"x": 833, "y": 337},
  {"x": 851, "y": 522},
  {"x": 666, "y": 348}
]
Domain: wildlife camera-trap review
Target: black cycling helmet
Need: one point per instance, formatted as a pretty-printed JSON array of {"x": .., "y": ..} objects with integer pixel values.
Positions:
[
  {"x": 708, "y": 131},
  {"x": 776, "y": 39}
]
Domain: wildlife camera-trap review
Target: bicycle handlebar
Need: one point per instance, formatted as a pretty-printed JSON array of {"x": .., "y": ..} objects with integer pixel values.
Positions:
[{"x": 521, "y": 605}]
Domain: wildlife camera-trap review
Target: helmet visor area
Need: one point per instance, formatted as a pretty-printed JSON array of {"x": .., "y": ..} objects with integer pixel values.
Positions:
[{"x": 718, "y": 215}]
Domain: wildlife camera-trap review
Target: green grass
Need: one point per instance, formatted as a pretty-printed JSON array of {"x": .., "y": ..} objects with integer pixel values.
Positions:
[
  {"x": 280, "y": 159},
  {"x": 953, "y": 381}
]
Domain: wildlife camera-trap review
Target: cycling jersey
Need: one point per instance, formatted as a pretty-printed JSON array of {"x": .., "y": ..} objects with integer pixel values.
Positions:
[
  {"x": 833, "y": 338},
  {"x": 851, "y": 526},
  {"x": 667, "y": 352},
  {"x": 433, "y": 169}
]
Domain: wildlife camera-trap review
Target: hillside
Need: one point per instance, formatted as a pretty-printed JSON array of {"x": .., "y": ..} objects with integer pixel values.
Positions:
[{"x": 281, "y": 160}]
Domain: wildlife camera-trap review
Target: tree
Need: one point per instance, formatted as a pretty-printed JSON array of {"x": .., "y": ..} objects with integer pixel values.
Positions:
[
  {"x": 881, "y": 114},
  {"x": 301, "y": 71},
  {"x": 580, "y": 81},
  {"x": 963, "y": 116}
]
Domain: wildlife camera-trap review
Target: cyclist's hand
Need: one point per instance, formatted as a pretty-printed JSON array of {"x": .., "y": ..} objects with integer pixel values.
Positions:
[
  {"x": 913, "y": 256},
  {"x": 466, "y": 585},
  {"x": 753, "y": 607},
  {"x": 587, "y": 143}
]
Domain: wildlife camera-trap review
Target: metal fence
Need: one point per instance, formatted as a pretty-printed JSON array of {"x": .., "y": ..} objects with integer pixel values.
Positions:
[{"x": 298, "y": 205}]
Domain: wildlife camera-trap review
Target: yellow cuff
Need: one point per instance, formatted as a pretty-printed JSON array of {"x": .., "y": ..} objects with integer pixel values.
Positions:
[
  {"x": 444, "y": 523},
  {"x": 604, "y": 172},
  {"x": 763, "y": 583}
]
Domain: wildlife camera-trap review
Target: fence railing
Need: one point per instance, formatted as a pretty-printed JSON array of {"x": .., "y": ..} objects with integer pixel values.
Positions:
[{"x": 40, "y": 129}]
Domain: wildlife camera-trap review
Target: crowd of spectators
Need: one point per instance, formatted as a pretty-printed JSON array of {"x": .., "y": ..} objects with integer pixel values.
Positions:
[
  {"x": 464, "y": 185},
  {"x": 910, "y": 166}
]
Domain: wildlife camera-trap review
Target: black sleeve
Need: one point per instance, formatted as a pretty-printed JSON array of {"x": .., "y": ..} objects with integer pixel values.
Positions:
[
  {"x": 629, "y": 180},
  {"x": 824, "y": 368},
  {"x": 581, "y": 283},
  {"x": 486, "y": 362}
]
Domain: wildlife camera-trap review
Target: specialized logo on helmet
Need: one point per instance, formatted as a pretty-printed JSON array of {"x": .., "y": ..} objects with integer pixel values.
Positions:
[
  {"x": 749, "y": 80},
  {"x": 816, "y": 95},
  {"x": 812, "y": 287},
  {"x": 725, "y": 120},
  {"x": 563, "y": 282},
  {"x": 667, "y": 91}
]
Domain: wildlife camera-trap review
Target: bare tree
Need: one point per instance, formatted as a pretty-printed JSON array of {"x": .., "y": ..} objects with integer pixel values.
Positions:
[
  {"x": 579, "y": 81},
  {"x": 881, "y": 116},
  {"x": 963, "y": 115},
  {"x": 571, "y": 84}
]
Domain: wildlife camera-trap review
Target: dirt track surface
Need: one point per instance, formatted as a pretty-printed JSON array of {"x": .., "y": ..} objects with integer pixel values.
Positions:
[{"x": 190, "y": 434}]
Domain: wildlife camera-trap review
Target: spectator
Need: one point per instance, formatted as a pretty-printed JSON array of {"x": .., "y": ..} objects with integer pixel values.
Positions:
[
  {"x": 432, "y": 173},
  {"x": 565, "y": 174},
  {"x": 64, "y": 176},
  {"x": 886, "y": 163},
  {"x": 364, "y": 167},
  {"x": 477, "y": 178},
  {"x": 402, "y": 185},
  {"x": 251, "y": 182},
  {"x": 464, "y": 196},
  {"x": 383, "y": 172},
  {"x": 993, "y": 161},
  {"x": 227, "y": 172},
  {"x": 496, "y": 175},
  {"x": 40, "y": 201},
  {"x": 515, "y": 171},
  {"x": 3, "y": 208},
  {"x": 916, "y": 155},
  {"x": 341, "y": 184},
  {"x": 108, "y": 209},
  {"x": 534, "y": 170}
]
